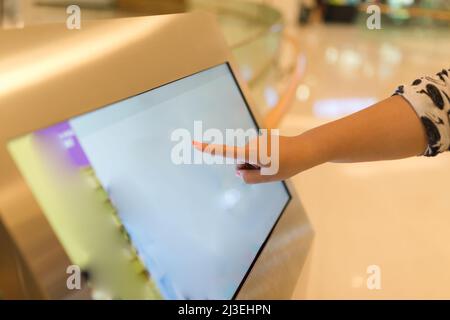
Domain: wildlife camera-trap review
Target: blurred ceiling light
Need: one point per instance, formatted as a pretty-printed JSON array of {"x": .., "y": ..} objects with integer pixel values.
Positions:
[
  {"x": 331, "y": 55},
  {"x": 385, "y": 71},
  {"x": 246, "y": 72},
  {"x": 100, "y": 294},
  {"x": 271, "y": 96},
  {"x": 390, "y": 54},
  {"x": 399, "y": 3},
  {"x": 230, "y": 198},
  {"x": 350, "y": 59},
  {"x": 302, "y": 92},
  {"x": 334, "y": 108}
]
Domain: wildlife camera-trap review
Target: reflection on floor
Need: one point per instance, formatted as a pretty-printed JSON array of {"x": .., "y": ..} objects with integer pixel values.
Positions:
[{"x": 395, "y": 215}]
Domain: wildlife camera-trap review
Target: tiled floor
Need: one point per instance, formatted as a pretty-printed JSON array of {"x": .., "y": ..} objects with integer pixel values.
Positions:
[{"x": 395, "y": 215}]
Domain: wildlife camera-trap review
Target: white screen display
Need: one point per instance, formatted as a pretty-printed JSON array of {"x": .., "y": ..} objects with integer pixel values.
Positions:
[{"x": 197, "y": 228}]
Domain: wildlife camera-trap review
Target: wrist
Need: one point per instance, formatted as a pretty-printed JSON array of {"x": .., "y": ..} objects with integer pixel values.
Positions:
[{"x": 311, "y": 150}]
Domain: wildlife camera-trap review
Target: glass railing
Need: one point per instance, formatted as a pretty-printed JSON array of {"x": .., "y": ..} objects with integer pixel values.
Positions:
[{"x": 254, "y": 32}]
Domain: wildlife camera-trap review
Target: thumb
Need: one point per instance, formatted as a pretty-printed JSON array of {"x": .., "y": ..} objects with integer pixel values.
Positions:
[{"x": 252, "y": 176}]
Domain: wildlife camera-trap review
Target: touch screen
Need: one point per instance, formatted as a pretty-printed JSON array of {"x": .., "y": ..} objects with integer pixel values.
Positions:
[{"x": 143, "y": 225}]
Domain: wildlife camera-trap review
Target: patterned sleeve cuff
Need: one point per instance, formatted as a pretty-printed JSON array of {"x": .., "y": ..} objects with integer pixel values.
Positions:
[{"x": 430, "y": 97}]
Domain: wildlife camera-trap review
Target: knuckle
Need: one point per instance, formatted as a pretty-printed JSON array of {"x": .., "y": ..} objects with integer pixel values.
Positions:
[{"x": 247, "y": 179}]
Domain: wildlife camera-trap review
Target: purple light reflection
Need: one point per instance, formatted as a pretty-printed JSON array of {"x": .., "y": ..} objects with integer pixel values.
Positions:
[{"x": 64, "y": 133}]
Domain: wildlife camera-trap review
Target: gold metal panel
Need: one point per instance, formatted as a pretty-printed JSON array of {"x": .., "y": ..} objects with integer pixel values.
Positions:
[{"x": 49, "y": 74}]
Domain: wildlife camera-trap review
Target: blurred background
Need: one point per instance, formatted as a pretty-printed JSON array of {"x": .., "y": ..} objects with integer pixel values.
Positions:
[{"x": 308, "y": 62}]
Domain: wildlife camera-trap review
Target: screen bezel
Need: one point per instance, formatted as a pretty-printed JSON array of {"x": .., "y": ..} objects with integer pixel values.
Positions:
[{"x": 255, "y": 123}]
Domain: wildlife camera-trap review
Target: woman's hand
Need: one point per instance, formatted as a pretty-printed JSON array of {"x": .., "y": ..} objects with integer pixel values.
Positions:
[
  {"x": 283, "y": 159},
  {"x": 390, "y": 129}
]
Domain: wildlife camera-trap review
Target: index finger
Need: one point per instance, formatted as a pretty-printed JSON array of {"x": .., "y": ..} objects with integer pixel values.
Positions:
[{"x": 238, "y": 153}]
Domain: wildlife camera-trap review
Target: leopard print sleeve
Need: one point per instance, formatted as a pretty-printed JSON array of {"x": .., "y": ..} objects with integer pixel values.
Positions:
[{"x": 430, "y": 98}]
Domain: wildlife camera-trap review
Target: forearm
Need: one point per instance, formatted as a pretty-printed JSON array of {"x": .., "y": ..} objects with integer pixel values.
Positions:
[
  {"x": 415, "y": 121},
  {"x": 389, "y": 129}
]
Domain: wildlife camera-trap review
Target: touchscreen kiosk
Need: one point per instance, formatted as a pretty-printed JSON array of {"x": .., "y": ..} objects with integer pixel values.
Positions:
[{"x": 137, "y": 221}]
